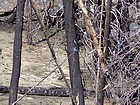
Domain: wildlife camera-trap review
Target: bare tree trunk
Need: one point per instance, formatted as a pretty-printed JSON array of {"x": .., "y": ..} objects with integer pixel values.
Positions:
[
  {"x": 107, "y": 29},
  {"x": 72, "y": 47},
  {"x": 17, "y": 52},
  {"x": 101, "y": 81}
]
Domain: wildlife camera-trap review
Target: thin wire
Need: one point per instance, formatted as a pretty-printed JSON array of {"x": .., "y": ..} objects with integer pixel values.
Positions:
[{"x": 42, "y": 79}]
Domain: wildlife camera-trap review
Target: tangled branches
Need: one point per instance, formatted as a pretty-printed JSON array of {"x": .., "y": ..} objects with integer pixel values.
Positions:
[
  {"x": 122, "y": 71},
  {"x": 122, "y": 64}
]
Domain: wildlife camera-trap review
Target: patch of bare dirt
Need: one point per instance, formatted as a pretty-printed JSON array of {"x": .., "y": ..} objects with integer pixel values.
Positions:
[{"x": 37, "y": 62}]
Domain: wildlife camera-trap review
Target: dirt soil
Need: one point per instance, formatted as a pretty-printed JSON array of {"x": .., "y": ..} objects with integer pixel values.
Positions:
[{"x": 37, "y": 62}]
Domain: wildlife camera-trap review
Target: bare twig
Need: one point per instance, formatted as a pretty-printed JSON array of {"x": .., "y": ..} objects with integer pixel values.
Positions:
[{"x": 34, "y": 6}]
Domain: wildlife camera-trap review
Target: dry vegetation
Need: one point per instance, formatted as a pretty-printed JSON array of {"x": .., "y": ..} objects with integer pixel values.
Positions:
[{"x": 122, "y": 67}]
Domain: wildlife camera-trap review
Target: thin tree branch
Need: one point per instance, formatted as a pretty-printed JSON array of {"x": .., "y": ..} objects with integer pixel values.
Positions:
[
  {"x": 92, "y": 33},
  {"x": 50, "y": 47},
  {"x": 34, "y": 5},
  {"x": 100, "y": 45},
  {"x": 107, "y": 29}
]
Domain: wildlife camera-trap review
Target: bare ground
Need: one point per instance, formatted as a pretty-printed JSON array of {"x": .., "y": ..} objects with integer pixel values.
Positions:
[{"x": 37, "y": 62}]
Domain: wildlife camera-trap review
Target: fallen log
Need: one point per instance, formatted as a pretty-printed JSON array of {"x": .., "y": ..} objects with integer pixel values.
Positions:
[
  {"x": 40, "y": 91},
  {"x": 53, "y": 91}
]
